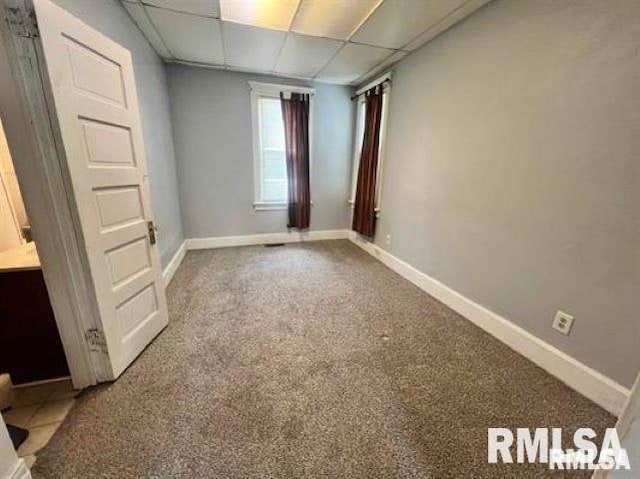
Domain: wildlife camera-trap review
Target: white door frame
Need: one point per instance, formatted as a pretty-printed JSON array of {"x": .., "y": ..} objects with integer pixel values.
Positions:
[
  {"x": 94, "y": 97},
  {"x": 629, "y": 414},
  {"x": 34, "y": 140}
]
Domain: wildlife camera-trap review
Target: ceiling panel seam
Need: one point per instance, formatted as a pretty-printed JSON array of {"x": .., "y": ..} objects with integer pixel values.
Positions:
[
  {"x": 293, "y": 18},
  {"x": 330, "y": 59},
  {"x": 289, "y": 32},
  {"x": 434, "y": 25},
  {"x": 364, "y": 20},
  {"x": 284, "y": 39},
  {"x": 174, "y": 10},
  {"x": 153, "y": 25},
  {"x": 222, "y": 45}
]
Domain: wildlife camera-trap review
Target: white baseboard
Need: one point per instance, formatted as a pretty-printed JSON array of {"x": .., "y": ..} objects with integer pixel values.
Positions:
[
  {"x": 590, "y": 383},
  {"x": 42, "y": 381},
  {"x": 269, "y": 238},
  {"x": 175, "y": 262},
  {"x": 585, "y": 380},
  {"x": 228, "y": 241},
  {"x": 20, "y": 471}
]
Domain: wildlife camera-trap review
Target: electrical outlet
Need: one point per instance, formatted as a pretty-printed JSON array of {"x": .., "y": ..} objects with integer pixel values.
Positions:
[
  {"x": 387, "y": 240},
  {"x": 563, "y": 322}
]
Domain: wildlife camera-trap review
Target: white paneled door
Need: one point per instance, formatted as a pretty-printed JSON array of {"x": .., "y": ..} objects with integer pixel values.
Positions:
[{"x": 96, "y": 103}]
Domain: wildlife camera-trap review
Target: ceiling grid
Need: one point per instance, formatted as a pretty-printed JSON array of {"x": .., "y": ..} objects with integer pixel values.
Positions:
[{"x": 333, "y": 41}]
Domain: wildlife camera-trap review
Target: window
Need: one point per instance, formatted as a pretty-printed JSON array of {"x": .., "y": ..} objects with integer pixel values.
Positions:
[
  {"x": 272, "y": 152},
  {"x": 270, "y": 170},
  {"x": 360, "y": 114},
  {"x": 359, "y": 137}
]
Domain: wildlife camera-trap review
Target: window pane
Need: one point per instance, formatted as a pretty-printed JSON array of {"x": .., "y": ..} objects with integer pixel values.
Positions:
[
  {"x": 360, "y": 120},
  {"x": 272, "y": 125},
  {"x": 272, "y": 151},
  {"x": 274, "y": 190},
  {"x": 274, "y": 167},
  {"x": 360, "y": 127}
]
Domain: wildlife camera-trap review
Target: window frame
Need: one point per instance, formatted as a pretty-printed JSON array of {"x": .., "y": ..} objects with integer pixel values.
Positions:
[
  {"x": 270, "y": 90},
  {"x": 359, "y": 137}
]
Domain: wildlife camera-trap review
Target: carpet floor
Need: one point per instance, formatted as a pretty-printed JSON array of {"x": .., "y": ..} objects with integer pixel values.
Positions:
[{"x": 310, "y": 360}]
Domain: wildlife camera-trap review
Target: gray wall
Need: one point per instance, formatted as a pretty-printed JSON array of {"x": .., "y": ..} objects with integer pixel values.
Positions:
[
  {"x": 211, "y": 117},
  {"x": 112, "y": 20},
  {"x": 512, "y": 170}
]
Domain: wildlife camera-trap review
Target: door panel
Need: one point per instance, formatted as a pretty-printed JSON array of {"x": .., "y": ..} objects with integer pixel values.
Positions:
[
  {"x": 94, "y": 94},
  {"x": 118, "y": 205},
  {"x": 108, "y": 145}
]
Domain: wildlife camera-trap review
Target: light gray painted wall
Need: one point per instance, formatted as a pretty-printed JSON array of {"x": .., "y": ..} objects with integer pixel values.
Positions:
[
  {"x": 512, "y": 170},
  {"x": 211, "y": 117},
  {"x": 112, "y": 20}
]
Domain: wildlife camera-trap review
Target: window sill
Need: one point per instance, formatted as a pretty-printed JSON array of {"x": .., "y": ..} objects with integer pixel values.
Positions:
[{"x": 270, "y": 206}]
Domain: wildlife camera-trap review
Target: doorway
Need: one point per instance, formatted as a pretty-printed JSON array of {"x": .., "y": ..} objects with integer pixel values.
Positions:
[
  {"x": 36, "y": 392},
  {"x": 30, "y": 346},
  {"x": 79, "y": 160},
  {"x": 80, "y": 163}
]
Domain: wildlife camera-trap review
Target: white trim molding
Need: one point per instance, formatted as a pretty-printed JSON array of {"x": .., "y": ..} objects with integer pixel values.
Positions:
[
  {"x": 592, "y": 384},
  {"x": 272, "y": 206},
  {"x": 269, "y": 238},
  {"x": 33, "y": 141},
  {"x": 21, "y": 471},
  {"x": 41, "y": 382},
  {"x": 359, "y": 137},
  {"x": 585, "y": 380},
  {"x": 273, "y": 89},
  {"x": 174, "y": 264},
  {"x": 374, "y": 82},
  {"x": 260, "y": 90},
  {"x": 247, "y": 240}
]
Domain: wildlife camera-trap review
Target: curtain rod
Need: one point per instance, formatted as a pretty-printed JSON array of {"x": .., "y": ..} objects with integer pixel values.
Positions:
[{"x": 383, "y": 82}]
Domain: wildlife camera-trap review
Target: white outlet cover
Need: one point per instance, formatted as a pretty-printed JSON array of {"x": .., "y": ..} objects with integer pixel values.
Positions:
[{"x": 563, "y": 322}]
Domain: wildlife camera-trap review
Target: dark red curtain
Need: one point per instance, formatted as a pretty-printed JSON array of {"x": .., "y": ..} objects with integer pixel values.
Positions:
[
  {"x": 364, "y": 214},
  {"x": 295, "y": 113}
]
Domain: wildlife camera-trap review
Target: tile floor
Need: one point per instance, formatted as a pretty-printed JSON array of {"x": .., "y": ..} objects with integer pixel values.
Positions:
[{"x": 40, "y": 409}]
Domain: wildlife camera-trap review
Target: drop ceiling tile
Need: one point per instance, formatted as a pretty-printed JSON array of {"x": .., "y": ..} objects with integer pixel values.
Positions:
[
  {"x": 396, "y": 57},
  {"x": 397, "y": 22},
  {"x": 353, "y": 61},
  {"x": 208, "y": 8},
  {"x": 136, "y": 10},
  {"x": 331, "y": 18},
  {"x": 275, "y": 14},
  {"x": 251, "y": 47},
  {"x": 304, "y": 56},
  {"x": 189, "y": 37},
  {"x": 451, "y": 19}
]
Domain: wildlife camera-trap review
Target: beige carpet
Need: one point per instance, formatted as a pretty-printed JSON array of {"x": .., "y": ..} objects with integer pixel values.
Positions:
[{"x": 309, "y": 360}]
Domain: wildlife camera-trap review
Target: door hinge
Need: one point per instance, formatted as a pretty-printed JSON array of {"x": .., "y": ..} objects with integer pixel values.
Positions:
[
  {"x": 96, "y": 340},
  {"x": 152, "y": 232},
  {"x": 22, "y": 23}
]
